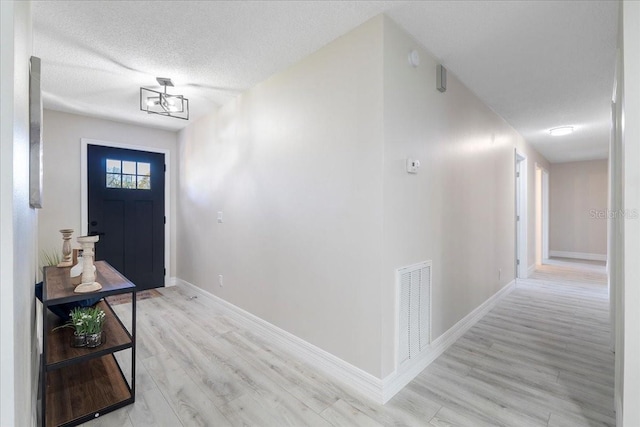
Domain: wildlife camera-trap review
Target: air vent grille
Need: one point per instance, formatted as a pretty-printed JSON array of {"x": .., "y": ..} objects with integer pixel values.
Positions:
[{"x": 414, "y": 310}]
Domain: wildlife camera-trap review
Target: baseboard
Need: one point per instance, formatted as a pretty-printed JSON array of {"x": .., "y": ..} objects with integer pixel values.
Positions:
[
  {"x": 356, "y": 378},
  {"x": 380, "y": 391},
  {"x": 578, "y": 255},
  {"x": 618, "y": 410},
  {"x": 531, "y": 269},
  {"x": 171, "y": 281},
  {"x": 396, "y": 381}
]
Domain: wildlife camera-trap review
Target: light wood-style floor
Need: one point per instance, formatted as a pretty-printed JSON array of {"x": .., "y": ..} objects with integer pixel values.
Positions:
[{"x": 540, "y": 358}]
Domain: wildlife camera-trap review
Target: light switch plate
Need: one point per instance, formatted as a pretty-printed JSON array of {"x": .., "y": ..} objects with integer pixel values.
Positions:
[{"x": 413, "y": 165}]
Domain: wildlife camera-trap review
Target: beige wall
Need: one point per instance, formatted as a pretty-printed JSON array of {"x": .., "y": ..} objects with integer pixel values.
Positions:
[
  {"x": 295, "y": 165},
  {"x": 578, "y": 209},
  {"x": 18, "y": 224},
  {"x": 61, "y": 204},
  {"x": 309, "y": 170},
  {"x": 458, "y": 211}
]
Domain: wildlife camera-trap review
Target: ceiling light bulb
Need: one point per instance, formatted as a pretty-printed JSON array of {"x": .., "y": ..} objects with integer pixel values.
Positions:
[{"x": 561, "y": 130}]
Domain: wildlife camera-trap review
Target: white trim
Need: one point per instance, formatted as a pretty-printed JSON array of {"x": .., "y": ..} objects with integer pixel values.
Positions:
[
  {"x": 545, "y": 213},
  {"x": 538, "y": 213},
  {"x": 542, "y": 213},
  {"x": 522, "y": 226},
  {"x": 84, "y": 198},
  {"x": 618, "y": 410},
  {"x": 531, "y": 269},
  {"x": 361, "y": 381},
  {"x": 370, "y": 386},
  {"x": 396, "y": 381},
  {"x": 579, "y": 255},
  {"x": 12, "y": 103}
]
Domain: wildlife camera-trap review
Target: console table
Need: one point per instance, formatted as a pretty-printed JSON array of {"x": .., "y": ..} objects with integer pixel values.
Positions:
[{"x": 80, "y": 384}]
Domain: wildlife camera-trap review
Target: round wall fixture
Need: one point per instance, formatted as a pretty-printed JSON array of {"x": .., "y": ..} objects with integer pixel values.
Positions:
[{"x": 414, "y": 58}]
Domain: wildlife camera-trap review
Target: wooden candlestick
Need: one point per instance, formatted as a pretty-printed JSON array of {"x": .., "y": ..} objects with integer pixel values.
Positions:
[
  {"x": 66, "y": 247},
  {"x": 88, "y": 283}
]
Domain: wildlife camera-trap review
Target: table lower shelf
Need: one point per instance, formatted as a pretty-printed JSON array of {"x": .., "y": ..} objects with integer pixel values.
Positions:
[
  {"x": 85, "y": 389},
  {"x": 60, "y": 351}
]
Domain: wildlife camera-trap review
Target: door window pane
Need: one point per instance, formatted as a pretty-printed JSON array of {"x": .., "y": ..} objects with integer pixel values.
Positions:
[
  {"x": 113, "y": 166},
  {"x": 144, "y": 182},
  {"x": 144, "y": 168},
  {"x": 129, "y": 181},
  {"x": 114, "y": 180},
  {"x": 129, "y": 168},
  {"x": 130, "y": 175}
]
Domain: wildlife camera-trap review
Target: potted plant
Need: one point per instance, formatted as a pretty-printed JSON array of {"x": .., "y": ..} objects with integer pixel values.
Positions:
[
  {"x": 87, "y": 324},
  {"x": 93, "y": 320}
]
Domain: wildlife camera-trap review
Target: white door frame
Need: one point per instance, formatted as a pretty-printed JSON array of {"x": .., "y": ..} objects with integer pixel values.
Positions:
[
  {"x": 84, "y": 194},
  {"x": 615, "y": 228},
  {"x": 545, "y": 214},
  {"x": 542, "y": 214},
  {"x": 521, "y": 258}
]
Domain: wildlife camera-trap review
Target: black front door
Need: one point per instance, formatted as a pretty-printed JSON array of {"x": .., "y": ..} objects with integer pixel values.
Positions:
[{"x": 126, "y": 209}]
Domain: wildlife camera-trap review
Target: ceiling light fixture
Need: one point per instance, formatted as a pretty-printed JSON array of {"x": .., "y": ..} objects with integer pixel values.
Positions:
[
  {"x": 154, "y": 102},
  {"x": 561, "y": 130}
]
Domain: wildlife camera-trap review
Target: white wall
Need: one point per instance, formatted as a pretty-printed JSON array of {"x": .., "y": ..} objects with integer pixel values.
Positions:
[
  {"x": 631, "y": 143},
  {"x": 309, "y": 170},
  {"x": 615, "y": 247},
  {"x": 18, "y": 223},
  {"x": 295, "y": 164},
  {"x": 578, "y": 209},
  {"x": 458, "y": 211},
  {"x": 61, "y": 199}
]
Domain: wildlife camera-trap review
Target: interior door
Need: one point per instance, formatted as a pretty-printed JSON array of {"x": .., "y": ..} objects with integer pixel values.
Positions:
[{"x": 126, "y": 209}]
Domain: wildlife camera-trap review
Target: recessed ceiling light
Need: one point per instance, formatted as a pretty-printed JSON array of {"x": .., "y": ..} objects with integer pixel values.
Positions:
[{"x": 561, "y": 130}]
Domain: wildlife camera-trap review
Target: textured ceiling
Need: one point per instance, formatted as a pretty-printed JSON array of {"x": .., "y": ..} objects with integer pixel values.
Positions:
[{"x": 539, "y": 64}]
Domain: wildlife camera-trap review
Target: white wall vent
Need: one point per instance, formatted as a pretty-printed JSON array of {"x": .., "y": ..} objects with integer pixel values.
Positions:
[{"x": 414, "y": 310}]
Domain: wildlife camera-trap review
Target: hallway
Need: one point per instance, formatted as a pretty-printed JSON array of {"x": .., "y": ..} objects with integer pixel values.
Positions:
[{"x": 539, "y": 358}]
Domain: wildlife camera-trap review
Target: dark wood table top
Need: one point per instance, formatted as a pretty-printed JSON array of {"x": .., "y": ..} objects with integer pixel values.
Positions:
[{"x": 58, "y": 287}]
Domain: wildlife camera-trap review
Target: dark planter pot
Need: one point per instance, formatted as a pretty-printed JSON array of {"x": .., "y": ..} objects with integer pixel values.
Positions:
[
  {"x": 94, "y": 340},
  {"x": 78, "y": 340}
]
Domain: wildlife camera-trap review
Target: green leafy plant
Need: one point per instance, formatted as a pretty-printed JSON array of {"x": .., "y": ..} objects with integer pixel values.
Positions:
[
  {"x": 50, "y": 258},
  {"x": 85, "y": 320},
  {"x": 93, "y": 319}
]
